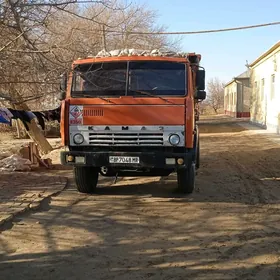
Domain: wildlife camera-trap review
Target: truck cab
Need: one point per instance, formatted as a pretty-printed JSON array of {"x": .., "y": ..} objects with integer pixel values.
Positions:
[{"x": 132, "y": 115}]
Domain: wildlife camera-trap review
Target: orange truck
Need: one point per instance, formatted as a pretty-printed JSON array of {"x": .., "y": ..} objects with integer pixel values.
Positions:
[{"x": 132, "y": 115}]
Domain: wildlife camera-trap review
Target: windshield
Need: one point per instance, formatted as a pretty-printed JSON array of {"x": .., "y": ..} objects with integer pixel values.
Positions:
[{"x": 129, "y": 78}]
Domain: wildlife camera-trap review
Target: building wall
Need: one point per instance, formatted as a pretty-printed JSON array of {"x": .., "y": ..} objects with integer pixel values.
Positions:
[
  {"x": 244, "y": 96},
  {"x": 247, "y": 96},
  {"x": 230, "y": 99},
  {"x": 237, "y": 98},
  {"x": 265, "y": 109}
]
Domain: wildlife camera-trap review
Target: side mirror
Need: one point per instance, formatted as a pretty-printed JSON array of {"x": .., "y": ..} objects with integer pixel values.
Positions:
[
  {"x": 200, "y": 79},
  {"x": 200, "y": 94},
  {"x": 63, "y": 86},
  {"x": 61, "y": 95}
]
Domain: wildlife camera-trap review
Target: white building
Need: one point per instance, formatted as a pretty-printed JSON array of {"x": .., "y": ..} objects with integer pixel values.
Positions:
[
  {"x": 237, "y": 95},
  {"x": 265, "y": 83}
]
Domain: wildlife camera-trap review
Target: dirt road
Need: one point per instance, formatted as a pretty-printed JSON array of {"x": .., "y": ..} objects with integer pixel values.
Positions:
[{"x": 140, "y": 229}]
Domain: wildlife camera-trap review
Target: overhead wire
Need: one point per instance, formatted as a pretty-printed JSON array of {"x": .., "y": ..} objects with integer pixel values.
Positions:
[
  {"x": 150, "y": 33},
  {"x": 195, "y": 32}
]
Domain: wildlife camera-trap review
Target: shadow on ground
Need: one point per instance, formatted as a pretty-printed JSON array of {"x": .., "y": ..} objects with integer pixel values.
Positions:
[
  {"x": 100, "y": 238},
  {"x": 228, "y": 229}
]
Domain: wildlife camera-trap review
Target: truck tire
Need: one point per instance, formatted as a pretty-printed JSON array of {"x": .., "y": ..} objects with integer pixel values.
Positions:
[
  {"x": 86, "y": 179},
  {"x": 197, "y": 161},
  {"x": 186, "y": 179}
]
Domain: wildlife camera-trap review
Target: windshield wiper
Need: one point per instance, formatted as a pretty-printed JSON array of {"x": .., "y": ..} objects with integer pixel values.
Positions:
[
  {"x": 152, "y": 95},
  {"x": 92, "y": 96}
]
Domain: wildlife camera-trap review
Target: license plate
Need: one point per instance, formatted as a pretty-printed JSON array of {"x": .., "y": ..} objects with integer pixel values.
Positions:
[{"x": 115, "y": 159}]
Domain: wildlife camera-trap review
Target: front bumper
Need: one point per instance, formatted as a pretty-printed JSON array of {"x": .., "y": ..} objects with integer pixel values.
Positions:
[{"x": 146, "y": 160}]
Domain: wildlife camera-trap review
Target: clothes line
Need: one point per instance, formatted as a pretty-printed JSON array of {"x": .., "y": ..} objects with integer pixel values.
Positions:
[{"x": 8, "y": 114}]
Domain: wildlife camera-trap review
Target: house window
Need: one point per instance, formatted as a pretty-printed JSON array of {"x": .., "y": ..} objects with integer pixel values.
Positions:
[{"x": 272, "y": 93}]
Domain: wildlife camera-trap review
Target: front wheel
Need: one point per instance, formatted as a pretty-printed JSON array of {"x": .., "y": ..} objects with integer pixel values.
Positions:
[
  {"x": 86, "y": 178},
  {"x": 186, "y": 179},
  {"x": 197, "y": 162}
]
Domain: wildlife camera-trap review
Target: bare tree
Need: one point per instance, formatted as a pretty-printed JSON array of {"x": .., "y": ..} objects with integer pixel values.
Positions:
[
  {"x": 40, "y": 39},
  {"x": 215, "y": 98},
  {"x": 22, "y": 61}
]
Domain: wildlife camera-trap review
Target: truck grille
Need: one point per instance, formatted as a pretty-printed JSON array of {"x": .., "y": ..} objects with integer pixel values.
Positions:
[
  {"x": 93, "y": 113},
  {"x": 126, "y": 138}
]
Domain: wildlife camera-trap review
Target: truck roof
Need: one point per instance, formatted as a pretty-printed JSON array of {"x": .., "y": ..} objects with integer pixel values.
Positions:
[{"x": 139, "y": 55}]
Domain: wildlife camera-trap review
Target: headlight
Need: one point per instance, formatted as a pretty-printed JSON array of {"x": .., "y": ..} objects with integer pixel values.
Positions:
[
  {"x": 78, "y": 138},
  {"x": 174, "y": 139}
]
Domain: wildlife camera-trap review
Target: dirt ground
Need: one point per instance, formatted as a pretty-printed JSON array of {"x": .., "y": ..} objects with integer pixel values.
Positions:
[{"x": 141, "y": 229}]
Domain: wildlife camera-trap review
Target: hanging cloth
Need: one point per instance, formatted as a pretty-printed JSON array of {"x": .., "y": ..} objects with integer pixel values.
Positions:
[
  {"x": 24, "y": 116},
  {"x": 50, "y": 115},
  {"x": 40, "y": 118},
  {"x": 5, "y": 116}
]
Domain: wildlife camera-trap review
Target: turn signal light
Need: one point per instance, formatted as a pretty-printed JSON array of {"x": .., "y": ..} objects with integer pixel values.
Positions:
[
  {"x": 180, "y": 161},
  {"x": 70, "y": 158}
]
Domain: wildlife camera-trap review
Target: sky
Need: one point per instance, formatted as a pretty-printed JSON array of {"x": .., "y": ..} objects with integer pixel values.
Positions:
[{"x": 224, "y": 54}]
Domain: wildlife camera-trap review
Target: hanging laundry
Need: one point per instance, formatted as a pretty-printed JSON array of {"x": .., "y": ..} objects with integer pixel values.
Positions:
[
  {"x": 5, "y": 116},
  {"x": 40, "y": 118},
  {"x": 54, "y": 115},
  {"x": 24, "y": 116},
  {"x": 51, "y": 115}
]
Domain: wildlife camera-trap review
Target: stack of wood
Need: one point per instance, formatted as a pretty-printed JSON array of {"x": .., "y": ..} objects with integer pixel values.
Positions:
[{"x": 31, "y": 152}]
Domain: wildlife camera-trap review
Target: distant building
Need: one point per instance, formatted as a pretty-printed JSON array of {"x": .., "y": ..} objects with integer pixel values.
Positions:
[
  {"x": 265, "y": 80},
  {"x": 237, "y": 94}
]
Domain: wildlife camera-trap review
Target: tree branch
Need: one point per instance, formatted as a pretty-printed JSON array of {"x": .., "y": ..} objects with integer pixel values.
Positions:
[
  {"x": 28, "y": 82},
  {"x": 12, "y": 41},
  {"x": 29, "y": 51},
  {"x": 49, "y": 4},
  {"x": 62, "y": 3}
]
